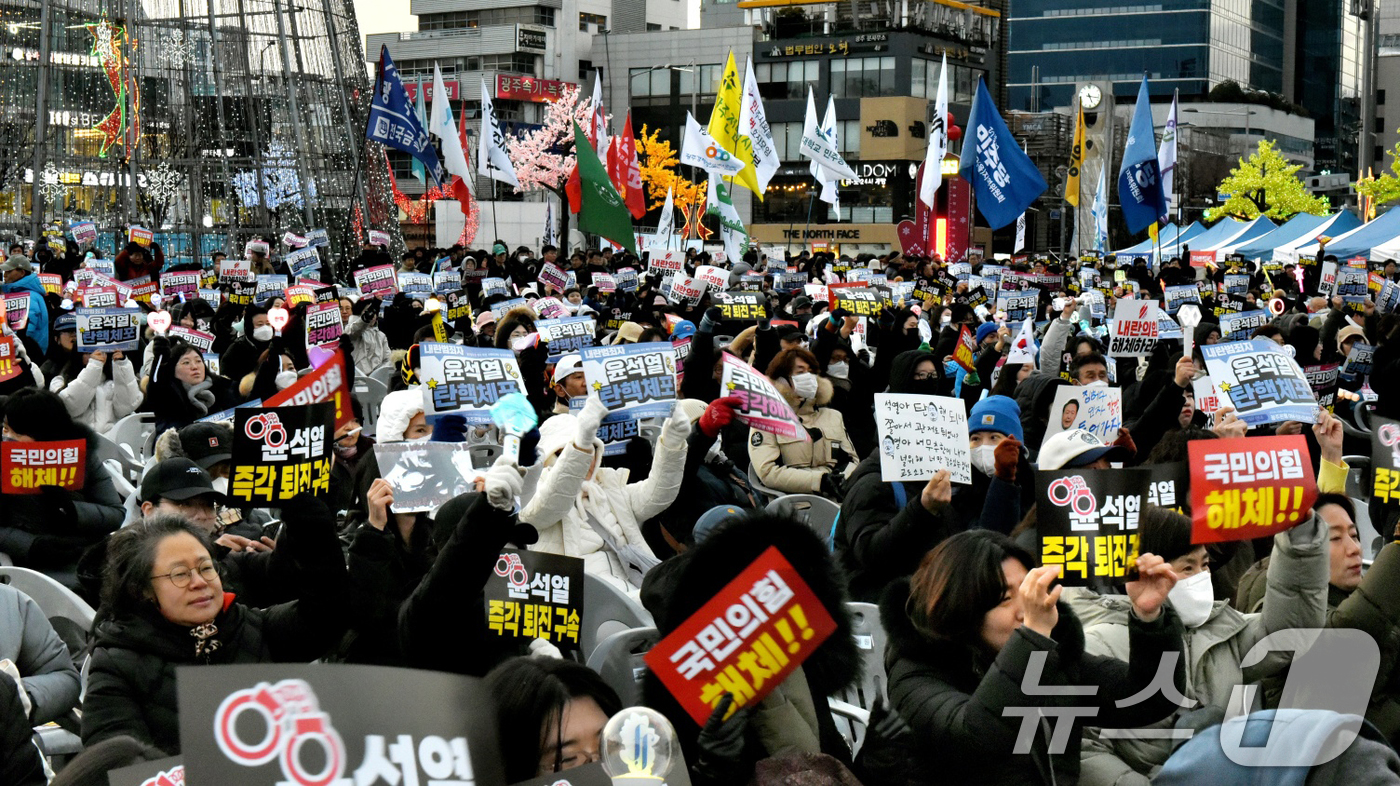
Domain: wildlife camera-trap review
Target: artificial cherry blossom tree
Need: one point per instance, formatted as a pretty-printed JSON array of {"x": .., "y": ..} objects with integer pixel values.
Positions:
[{"x": 543, "y": 158}]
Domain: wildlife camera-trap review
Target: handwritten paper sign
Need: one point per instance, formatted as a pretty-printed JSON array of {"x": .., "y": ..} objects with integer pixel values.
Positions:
[
  {"x": 1263, "y": 383},
  {"x": 466, "y": 380},
  {"x": 1087, "y": 521},
  {"x": 27, "y": 466},
  {"x": 762, "y": 406},
  {"x": 1098, "y": 410},
  {"x": 920, "y": 435},
  {"x": 1248, "y": 487}
]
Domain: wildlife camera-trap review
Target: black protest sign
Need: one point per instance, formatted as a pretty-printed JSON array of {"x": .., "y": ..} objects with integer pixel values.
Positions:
[
  {"x": 976, "y": 297},
  {"x": 1088, "y": 522},
  {"x": 241, "y": 293},
  {"x": 1385, "y": 459},
  {"x": 279, "y": 452},
  {"x": 1324, "y": 383},
  {"x": 335, "y": 724},
  {"x": 458, "y": 306},
  {"x": 161, "y": 772},
  {"x": 861, "y": 301},
  {"x": 1170, "y": 486},
  {"x": 534, "y": 595},
  {"x": 741, "y": 306},
  {"x": 326, "y": 294},
  {"x": 588, "y": 775}
]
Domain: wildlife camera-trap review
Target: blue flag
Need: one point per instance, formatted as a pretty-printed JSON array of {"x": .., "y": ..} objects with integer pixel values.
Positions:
[
  {"x": 1140, "y": 176},
  {"x": 393, "y": 121},
  {"x": 1002, "y": 176}
]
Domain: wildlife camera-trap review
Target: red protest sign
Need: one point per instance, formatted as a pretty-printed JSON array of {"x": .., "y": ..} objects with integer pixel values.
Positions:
[
  {"x": 1248, "y": 487},
  {"x": 1202, "y": 258},
  {"x": 26, "y": 466},
  {"x": 9, "y": 359},
  {"x": 327, "y": 383},
  {"x": 963, "y": 351},
  {"x": 744, "y": 641}
]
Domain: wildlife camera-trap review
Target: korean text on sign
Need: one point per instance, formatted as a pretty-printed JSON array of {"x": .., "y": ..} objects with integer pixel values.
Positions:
[
  {"x": 566, "y": 335},
  {"x": 920, "y": 435},
  {"x": 376, "y": 280},
  {"x": 745, "y": 641},
  {"x": 741, "y": 306},
  {"x": 1135, "y": 328},
  {"x": 1090, "y": 523},
  {"x": 762, "y": 406},
  {"x": 1264, "y": 384},
  {"x": 323, "y": 326},
  {"x": 859, "y": 300},
  {"x": 25, "y": 467},
  {"x": 108, "y": 329},
  {"x": 1385, "y": 459},
  {"x": 534, "y": 595},
  {"x": 279, "y": 453},
  {"x": 1249, "y": 487},
  {"x": 638, "y": 378},
  {"x": 467, "y": 380},
  {"x": 9, "y": 359}
]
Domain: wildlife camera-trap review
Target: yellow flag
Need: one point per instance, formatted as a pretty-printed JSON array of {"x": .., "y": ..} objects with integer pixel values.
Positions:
[
  {"x": 1152, "y": 231},
  {"x": 1076, "y": 160},
  {"x": 724, "y": 126}
]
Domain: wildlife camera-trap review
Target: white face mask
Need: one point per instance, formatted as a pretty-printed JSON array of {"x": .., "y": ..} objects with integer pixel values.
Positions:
[
  {"x": 262, "y": 333},
  {"x": 285, "y": 379},
  {"x": 220, "y": 485},
  {"x": 840, "y": 370},
  {"x": 805, "y": 385},
  {"x": 984, "y": 459},
  {"x": 1098, "y": 383},
  {"x": 1193, "y": 599}
]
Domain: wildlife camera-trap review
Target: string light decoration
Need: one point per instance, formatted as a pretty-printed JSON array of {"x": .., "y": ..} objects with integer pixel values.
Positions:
[
  {"x": 175, "y": 50},
  {"x": 51, "y": 185},
  {"x": 281, "y": 185},
  {"x": 108, "y": 41},
  {"x": 164, "y": 184}
]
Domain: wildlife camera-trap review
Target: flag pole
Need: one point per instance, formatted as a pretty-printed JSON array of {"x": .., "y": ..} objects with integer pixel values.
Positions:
[
  {"x": 495, "y": 208},
  {"x": 811, "y": 198}
]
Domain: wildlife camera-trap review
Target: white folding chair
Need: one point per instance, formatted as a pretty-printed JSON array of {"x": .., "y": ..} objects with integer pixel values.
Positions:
[
  {"x": 618, "y": 659},
  {"x": 607, "y": 610},
  {"x": 758, "y": 486},
  {"x": 370, "y": 392},
  {"x": 383, "y": 374},
  {"x": 851, "y": 708},
  {"x": 130, "y": 434},
  {"x": 819, "y": 513}
]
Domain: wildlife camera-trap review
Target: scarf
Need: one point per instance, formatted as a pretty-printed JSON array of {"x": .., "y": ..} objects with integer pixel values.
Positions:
[
  {"x": 205, "y": 640},
  {"x": 200, "y": 395}
]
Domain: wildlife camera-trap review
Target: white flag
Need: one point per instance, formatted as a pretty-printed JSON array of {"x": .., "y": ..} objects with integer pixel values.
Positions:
[
  {"x": 829, "y": 194},
  {"x": 442, "y": 126},
  {"x": 600, "y": 125},
  {"x": 1166, "y": 154},
  {"x": 937, "y": 141},
  {"x": 1100, "y": 212},
  {"x": 1020, "y": 234},
  {"x": 1023, "y": 348},
  {"x": 699, "y": 149},
  {"x": 818, "y": 147},
  {"x": 667, "y": 225},
  {"x": 491, "y": 158},
  {"x": 731, "y": 227},
  {"x": 753, "y": 123},
  {"x": 550, "y": 239}
]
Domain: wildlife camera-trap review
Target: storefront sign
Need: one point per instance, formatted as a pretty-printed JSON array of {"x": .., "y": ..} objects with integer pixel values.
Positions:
[{"x": 527, "y": 88}]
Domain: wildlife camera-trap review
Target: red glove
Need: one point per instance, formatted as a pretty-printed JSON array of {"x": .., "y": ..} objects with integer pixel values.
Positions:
[
  {"x": 719, "y": 414},
  {"x": 1007, "y": 455},
  {"x": 1125, "y": 440}
]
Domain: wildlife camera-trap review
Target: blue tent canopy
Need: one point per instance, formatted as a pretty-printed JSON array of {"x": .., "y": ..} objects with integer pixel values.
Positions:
[
  {"x": 1170, "y": 234},
  {"x": 1296, "y": 230},
  {"x": 1381, "y": 230},
  {"x": 1223, "y": 230}
]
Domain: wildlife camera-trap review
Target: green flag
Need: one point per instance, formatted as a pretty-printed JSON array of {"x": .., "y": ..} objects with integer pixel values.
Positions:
[{"x": 604, "y": 210}]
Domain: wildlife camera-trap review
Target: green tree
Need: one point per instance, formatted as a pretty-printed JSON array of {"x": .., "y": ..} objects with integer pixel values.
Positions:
[
  {"x": 1385, "y": 188},
  {"x": 1266, "y": 184}
]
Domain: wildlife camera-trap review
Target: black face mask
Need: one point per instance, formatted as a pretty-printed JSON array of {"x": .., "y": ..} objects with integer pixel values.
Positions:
[{"x": 925, "y": 387}]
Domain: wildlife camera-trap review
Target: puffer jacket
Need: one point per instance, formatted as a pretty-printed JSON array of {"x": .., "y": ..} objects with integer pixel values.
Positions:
[
  {"x": 1214, "y": 652},
  {"x": 797, "y": 466},
  {"x": 371, "y": 345},
  {"x": 564, "y": 500},
  {"x": 96, "y": 401},
  {"x": 955, "y": 697},
  {"x": 37, "y": 329},
  {"x": 45, "y": 667}
]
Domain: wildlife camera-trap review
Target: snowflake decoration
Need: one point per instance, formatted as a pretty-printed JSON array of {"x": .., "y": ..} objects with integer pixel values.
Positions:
[
  {"x": 51, "y": 184},
  {"x": 280, "y": 184},
  {"x": 164, "y": 184},
  {"x": 175, "y": 50}
]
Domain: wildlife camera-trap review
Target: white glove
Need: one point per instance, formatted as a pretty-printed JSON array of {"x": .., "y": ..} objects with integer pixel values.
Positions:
[
  {"x": 676, "y": 429},
  {"x": 504, "y": 482},
  {"x": 589, "y": 419}
]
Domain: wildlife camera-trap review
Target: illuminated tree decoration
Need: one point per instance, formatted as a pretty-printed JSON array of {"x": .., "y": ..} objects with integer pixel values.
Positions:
[
  {"x": 163, "y": 184},
  {"x": 107, "y": 42},
  {"x": 281, "y": 185},
  {"x": 51, "y": 184}
]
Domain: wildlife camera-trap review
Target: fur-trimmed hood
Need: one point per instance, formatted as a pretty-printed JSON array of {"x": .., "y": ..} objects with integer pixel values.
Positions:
[
  {"x": 962, "y": 665},
  {"x": 823, "y": 397}
]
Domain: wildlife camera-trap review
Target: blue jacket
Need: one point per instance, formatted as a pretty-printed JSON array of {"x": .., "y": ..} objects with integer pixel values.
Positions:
[{"x": 38, "y": 328}]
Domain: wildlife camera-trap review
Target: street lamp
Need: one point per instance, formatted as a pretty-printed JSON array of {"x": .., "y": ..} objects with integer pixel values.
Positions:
[
  {"x": 1247, "y": 113},
  {"x": 688, "y": 68}
]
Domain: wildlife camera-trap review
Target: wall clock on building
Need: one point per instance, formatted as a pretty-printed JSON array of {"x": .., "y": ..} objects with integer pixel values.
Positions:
[{"x": 1090, "y": 96}]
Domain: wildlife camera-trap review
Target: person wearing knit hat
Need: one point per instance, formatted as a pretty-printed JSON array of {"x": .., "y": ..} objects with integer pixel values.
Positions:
[
  {"x": 984, "y": 331},
  {"x": 1347, "y": 337}
]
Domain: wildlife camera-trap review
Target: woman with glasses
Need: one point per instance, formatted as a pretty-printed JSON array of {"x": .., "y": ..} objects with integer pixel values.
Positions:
[
  {"x": 164, "y": 607},
  {"x": 549, "y": 715},
  {"x": 182, "y": 388}
]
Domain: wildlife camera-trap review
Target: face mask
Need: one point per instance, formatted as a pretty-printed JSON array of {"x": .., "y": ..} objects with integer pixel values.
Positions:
[
  {"x": 424, "y": 438},
  {"x": 346, "y": 452},
  {"x": 1098, "y": 383},
  {"x": 220, "y": 485},
  {"x": 263, "y": 333},
  {"x": 984, "y": 459},
  {"x": 286, "y": 379},
  {"x": 840, "y": 370},
  {"x": 1193, "y": 599},
  {"x": 805, "y": 385},
  {"x": 947, "y": 319},
  {"x": 925, "y": 387}
]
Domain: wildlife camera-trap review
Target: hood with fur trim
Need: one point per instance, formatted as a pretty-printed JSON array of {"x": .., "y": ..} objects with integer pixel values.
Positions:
[
  {"x": 823, "y": 397},
  {"x": 397, "y": 409}
]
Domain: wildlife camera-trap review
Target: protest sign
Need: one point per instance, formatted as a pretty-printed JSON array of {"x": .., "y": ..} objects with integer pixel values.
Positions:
[
  {"x": 1096, "y": 301},
  {"x": 241, "y": 293},
  {"x": 323, "y": 327},
  {"x": 447, "y": 281},
  {"x": 615, "y": 431},
  {"x": 1095, "y": 409},
  {"x": 663, "y": 260},
  {"x": 325, "y": 383},
  {"x": 745, "y": 641},
  {"x": 291, "y": 239},
  {"x": 1323, "y": 380},
  {"x": 161, "y": 772},
  {"x": 686, "y": 289},
  {"x": 627, "y": 279},
  {"x": 213, "y": 297},
  {"x": 566, "y": 335},
  {"x": 639, "y": 379},
  {"x": 26, "y": 466},
  {"x": 108, "y": 329},
  {"x": 1388, "y": 299},
  {"x": 1170, "y": 487},
  {"x": 1358, "y": 362},
  {"x": 550, "y": 308},
  {"x": 466, "y": 380},
  {"x": 279, "y": 452},
  {"x": 317, "y": 238},
  {"x": 588, "y": 775},
  {"x": 1019, "y": 306},
  {"x": 298, "y": 294},
  {"x": 17, "y": 310},
  {"x": 302, "y": 260},
  {"x": 495, "y": 286},
  {"x": 1248, "y": 487},
  {"x": 716, "y": 277},
  {"x": 761, "y": 405},
  {"x": 977, "y": 296},
  {"x": 179, "y": 285},
  {"x": 741, "y": 306},
  {"x": 858, "y": 299},
  {"x": 1385, "y": 459},
  {"x": 376, "y": 280},
  {"x": 425, "y": 475},
  {"x": 269, "y": 286},
  {"x": 1087, "y": 520},
  {"x": 83, "y": 232},
  {"x": 819, "y": 293},
  {"x": 140, "y": 235},
  {"x": 1135, "y": 330},
  {"x": 605, "y": 283},
  {"x": 208, "y": 279},
  {"x": 204, "y": 342},
  {"x": 502, "y": 307},
  {"x": 142, "y": 292},
  {"x": 458, "y": 306},
  {"x": 614, "y": 317},
  {"x": 965, "y": 349},
  {"x": 1237, "y": 283},
  {"x": 1263, "y": 383},
  {"x": 551, "y": 275},
  {"x": 99, "y": 297},
  {"x": 231, "y": 270},
  {"x": 1238, "y": 326},
  {"x": 535, "y": 595},
  {"x": 1167, "y": 329},
  {"x": 334, "y": 725},
  {"x": 106, "y": 267},
  {"x": 920, "y": 435},
  {"x": 9, "y": 359},
  {"x": 52, "y": 283}
]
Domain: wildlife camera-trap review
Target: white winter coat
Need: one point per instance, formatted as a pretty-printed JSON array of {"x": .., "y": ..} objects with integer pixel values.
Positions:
[
  {"x": 558, "y": 506},
  {"x": 97, "y": 402}
]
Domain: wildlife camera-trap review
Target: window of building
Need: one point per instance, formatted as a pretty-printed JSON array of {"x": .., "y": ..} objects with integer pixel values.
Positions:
[
  {"x": 584, "y": 67},
  {"x": 1378, "y": 154},
  {"x": 787, "y": 80},
  {"x": 923, "y": 80},
  {"x": 1379, "y": 125},
  {"x": 599, "y": 22},
  {"x": 650, "y": 81},
  {"x": 462, "y": 20},
  {"x": 651, "y": 27},
  {"x": 1380, "y": 97},
  {"x": 862, "y": 77},
  {"x": 514, "y": 62},
  {"x": 709, "y": 80}
]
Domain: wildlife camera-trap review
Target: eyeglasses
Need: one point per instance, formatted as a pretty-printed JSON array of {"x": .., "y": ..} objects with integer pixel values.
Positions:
[
  {"x": 924, "y": 375},
  {"x": 181, "y": 577}
]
